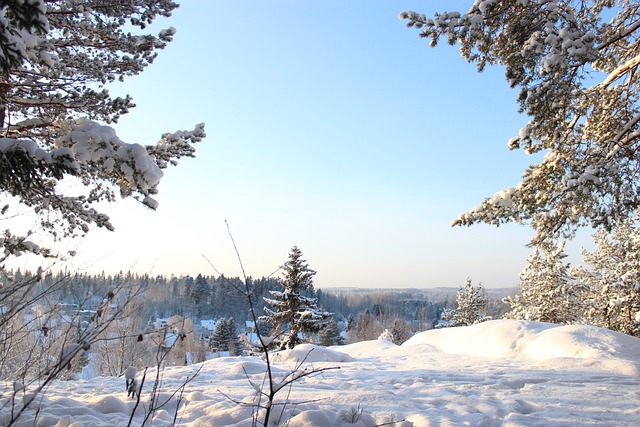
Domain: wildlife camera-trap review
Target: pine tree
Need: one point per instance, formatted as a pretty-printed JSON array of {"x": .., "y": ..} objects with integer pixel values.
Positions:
[
  {"x": 293, "y": 313},
  {"x": 21, "y": 19},
  {"x": 548, "y": 292},
  {"x": 56, "y": 60},
  {"x": 612, "y": 280},
  {"x": 472, "y": 306},
  {"x": 575, "y": 65}
]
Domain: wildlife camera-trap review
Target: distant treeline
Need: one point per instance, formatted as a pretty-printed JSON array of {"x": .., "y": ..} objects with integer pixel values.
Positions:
[{"x": 211, "y": 297}]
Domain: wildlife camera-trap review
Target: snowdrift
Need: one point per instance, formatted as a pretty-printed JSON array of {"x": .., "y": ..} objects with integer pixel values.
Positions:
[
  {"x": 557, "y": 346},
  {"x": 499, "y": 373},
  {"x": 307, "y": 353}
]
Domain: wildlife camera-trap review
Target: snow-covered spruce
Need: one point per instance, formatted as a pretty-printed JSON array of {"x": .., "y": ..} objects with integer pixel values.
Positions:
[
  {"x": 548, "y": 292},
  {"x": 292, "y": 312}
]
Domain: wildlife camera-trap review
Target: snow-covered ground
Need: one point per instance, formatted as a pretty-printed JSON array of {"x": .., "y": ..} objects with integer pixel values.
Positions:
[{"x": 498, "y": 373}]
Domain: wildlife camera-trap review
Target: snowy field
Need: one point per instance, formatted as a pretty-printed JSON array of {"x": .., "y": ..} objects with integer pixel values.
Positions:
[{"x": 499, "y": 373}]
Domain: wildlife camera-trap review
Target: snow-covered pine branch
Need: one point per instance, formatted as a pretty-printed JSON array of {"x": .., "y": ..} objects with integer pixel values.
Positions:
[
  {"x": 558, "y": 54},
  {"x": 471, "y": 306},
  {"x": 55, "y": 110},
  {"x": 20, "y": 21}
]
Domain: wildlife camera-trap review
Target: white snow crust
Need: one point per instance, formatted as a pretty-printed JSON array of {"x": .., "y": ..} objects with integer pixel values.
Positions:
[{"x": 498, "y": 373}]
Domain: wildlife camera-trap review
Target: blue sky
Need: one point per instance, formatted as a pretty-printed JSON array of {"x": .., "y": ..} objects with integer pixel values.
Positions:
[{"x": 330, "y": 126}]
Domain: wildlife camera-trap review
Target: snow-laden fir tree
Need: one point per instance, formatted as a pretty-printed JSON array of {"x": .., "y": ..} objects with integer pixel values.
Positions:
[
  {"x": 292, "y": 312},
  {"x": 548, "y": 293},
  {"x": 575, "y": 65},
  {"x": 56, "y": 60},
  {"x": 200, "y": 290},
  {"x": 612, "y": 279},
  {"x": 471, "y": 306}
]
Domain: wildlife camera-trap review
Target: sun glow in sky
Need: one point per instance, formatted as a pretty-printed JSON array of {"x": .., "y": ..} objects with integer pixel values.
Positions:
[{"x": 330, "y": 126}]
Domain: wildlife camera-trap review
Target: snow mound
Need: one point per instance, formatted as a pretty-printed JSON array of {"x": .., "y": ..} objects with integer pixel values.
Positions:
[
  {"x": 535, "y": 341},
  {"x": 109, "y": 404},
  {"x": 367, "y": 348},
  {"x": 310, "y": 353},
  {"x": 249, "y": 367},
  {"x": 497, "y": 338},
  {"x": 196, "y": 396}
]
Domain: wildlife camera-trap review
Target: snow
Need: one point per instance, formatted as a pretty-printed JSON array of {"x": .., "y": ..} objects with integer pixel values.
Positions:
[
  {"x": 311, "y": 353},
  {"x": 90, "y": 141},
  {"x": 497, "y": 373}
]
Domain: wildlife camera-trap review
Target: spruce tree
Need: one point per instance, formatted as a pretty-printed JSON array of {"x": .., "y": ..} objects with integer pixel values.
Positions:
[
  {"x": 330, "y": 334},
  {"x": 200, "y": 289},
  {"x": 400, "y": 331},
  {"x": 225, "y": 336},
  {"x": 200, "y": 295},
  {"x": 292, "y": 312}
]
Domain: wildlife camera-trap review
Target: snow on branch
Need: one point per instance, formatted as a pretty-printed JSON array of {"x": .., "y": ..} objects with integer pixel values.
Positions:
[
  {"x": 133, "y": 167},
  {"x": 629, "y": 65},
  {"x": 173, "y": 146},
  {"x": 552, "y": 53},
  {"x": 20, "y": 23}
]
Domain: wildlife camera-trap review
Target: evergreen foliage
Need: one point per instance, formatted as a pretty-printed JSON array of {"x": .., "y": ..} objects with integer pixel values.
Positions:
[
  {"x": 574, "y": 64},
  {"x": 612, "y": 280},
  {"x": 200, "y": 294},
  {"x": 400, "y": 331},
  {"x": 330, "y": 334},
  {"x": 200, "y": 290},
  {"x": 547, "y": 292},
  {"x": 292, "y": 312},
  {"x": 365, "y": 327},
  {"x": 350, "y": 321},
  {"x": 166, "y": 296},
  {"x": 56, "y": 59},
  {"x": 21, "y": 20},
  {"x": 471, "y": 306},
  {"x": 225, "y": 336}
]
